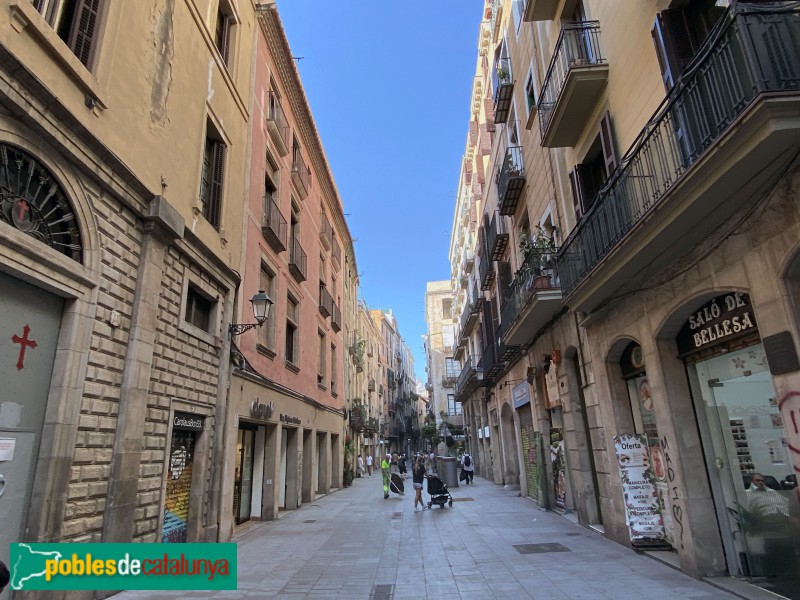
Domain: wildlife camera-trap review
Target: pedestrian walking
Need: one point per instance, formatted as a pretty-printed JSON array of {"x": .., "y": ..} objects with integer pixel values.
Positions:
[
  {"x": 401, "y": 465},
  {"x": 468, "y": 466},
  {"x": 369, "y": 465},
  {"x": 432, "y": 463},
  {"x": 360, "y": 466},
  {"x": 418, "y": 477},
  {"x": 394, "y": 462},
  {"x": 386, "y": 465}
]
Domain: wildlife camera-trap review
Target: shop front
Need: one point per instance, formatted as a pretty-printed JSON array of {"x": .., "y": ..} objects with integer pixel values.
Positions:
[
  {"x": 287, "y": 451},
  {"x": 744, "y": 439}
]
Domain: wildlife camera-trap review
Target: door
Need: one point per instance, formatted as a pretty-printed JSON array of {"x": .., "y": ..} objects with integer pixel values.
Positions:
[
  {"x": 30, "y": 320},
  {"x": 747, "y": 459},
  {"x": 243, "y": 482}
]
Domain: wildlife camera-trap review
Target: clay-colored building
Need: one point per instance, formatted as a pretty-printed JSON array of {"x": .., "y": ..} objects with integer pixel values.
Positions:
[{"x": 288, "y": 392}]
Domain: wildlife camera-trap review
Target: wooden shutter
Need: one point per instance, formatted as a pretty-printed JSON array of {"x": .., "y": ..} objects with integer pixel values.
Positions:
[
  {"x": 488, "y": 113},
  {"x": 584, "y": 189},
  {"x": 473, "y": 131},
  {"x": 607, "y": 139},
  {"x": 214, "y": 208},
  {"x": 84, "y": 26},
  {"x": 504, "y": 277},
  {"x": 674, "y": 43},
  {"x": 575, "y": 185}
]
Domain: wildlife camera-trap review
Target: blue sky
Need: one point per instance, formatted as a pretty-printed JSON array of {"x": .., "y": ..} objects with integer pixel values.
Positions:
[{"x": 389, "y": 84}]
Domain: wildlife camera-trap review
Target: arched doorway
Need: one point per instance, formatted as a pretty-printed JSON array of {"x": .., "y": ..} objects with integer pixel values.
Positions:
[{"x": 509, "y": 438}]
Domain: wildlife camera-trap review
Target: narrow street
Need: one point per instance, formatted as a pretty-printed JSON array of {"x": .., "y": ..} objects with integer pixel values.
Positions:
[{"x": 353, "y": 544}]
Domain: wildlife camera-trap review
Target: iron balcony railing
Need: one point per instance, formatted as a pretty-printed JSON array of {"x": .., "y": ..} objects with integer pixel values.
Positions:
[
  {"x": 336, "y": 324},
  {"x": 578, "y": 45},
  {"x": 468, "y": 371},
  {"x": 326, "y": 231},
  {"x": 510, "y": 180},
  {"x": 539, "y": 271},
  {"x": 301, "y": 175},
  {"x": 276, "y": 122},
  {"x": 274, "y": 227},
  {"x": 750, "y": 51},
  {"x": 325, "y": 301},
  {"x": 503, "y": 86},
  {"x": 297, "y": 260},
  {"x": 497, "y": 236},
  {"x": 336, "y": 252}
]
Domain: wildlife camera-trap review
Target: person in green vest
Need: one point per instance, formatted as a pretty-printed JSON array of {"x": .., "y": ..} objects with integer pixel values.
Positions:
[{"x": 386, "y": 464}]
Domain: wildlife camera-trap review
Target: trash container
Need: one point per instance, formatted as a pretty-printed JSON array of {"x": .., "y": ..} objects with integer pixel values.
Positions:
[{"x": 447, "y": 467}]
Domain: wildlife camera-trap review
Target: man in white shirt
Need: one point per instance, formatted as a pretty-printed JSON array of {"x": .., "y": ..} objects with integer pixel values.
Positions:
[
  {"x": 369, "y": 465},
  {"x": 766, "y": 508}
]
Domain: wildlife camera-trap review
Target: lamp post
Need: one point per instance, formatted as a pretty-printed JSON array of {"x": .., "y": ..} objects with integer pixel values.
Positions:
[{"x": 261, "y": 304}]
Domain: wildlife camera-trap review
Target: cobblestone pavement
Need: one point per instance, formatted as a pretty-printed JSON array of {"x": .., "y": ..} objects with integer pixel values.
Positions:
[{"x": 353, "y": 544}]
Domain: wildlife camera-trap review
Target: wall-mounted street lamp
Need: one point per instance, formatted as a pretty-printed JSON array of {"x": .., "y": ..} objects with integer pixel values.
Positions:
[{"x": 261, "y": 303}]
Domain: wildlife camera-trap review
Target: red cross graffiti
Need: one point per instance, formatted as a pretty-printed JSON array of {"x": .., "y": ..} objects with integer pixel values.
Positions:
[{"x": 24, "y": 343}]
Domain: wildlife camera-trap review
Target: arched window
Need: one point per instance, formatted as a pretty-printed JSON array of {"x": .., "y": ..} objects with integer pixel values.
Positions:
[{"x": 32, "y": 201}]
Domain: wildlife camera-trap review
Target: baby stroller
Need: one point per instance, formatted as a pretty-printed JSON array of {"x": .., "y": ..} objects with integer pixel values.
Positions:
[{"x": 438, "y": 491}]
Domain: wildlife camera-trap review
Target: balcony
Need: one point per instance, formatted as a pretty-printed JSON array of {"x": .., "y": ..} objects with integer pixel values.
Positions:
[
  {"x": 540, "y": 10},
  {"x": 497, "y": 236},
  {"x": 297, "y": 260},
  {"x": 489, "y": 365},
  {"x": 724, "y": 133},
  {"x": 274, "y": 228},
  {"x": 486, "y": 272},
  {"x": 336, "y": 319},
  {"x": 503, "y": 86},
  {"x": 451, "y": 372},
  {"x": 510, "y": 181},
  {"x": 468, "y": 380},
  {"x": 277, "y": 126},
  {"x": 325, "y": 232},
  {"x": 576, "y": 77},
  {"x": 325, "y": 301},
  {"x": 371, "y": 385},
  {"x": 469, "y": 317},
  {"x": 336, "y": 253},
  {"x": 301, "y": 176}
]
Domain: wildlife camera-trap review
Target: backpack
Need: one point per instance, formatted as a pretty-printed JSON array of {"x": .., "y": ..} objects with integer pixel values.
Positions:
[{"x": 467, "y": 461}]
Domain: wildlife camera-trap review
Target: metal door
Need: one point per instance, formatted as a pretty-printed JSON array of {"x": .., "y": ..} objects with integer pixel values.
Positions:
[{"x": 30, "y": 320}]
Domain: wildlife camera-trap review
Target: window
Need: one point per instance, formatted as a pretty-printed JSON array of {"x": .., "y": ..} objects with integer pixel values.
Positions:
[
  {"x": 321, "y": 354},
  {"x": 453, "y": 407},
  {"x": 272, "y": 177},
  {"x": 198, "y": 308},
  {"x": 212, "y": 178},
  {"x": 74, "y": 21},
  {"x": 530, "y": 93},
  {"x": 333, "y": 370},
  {"x": 447, "y": 308},
  {"x": 588, "y": 177},
  {"x": 678, "y": 34},
  {"x": 292, "y": 320},
  {"x": 224, "y": 31},
  {"x": 266, "y": 335}
]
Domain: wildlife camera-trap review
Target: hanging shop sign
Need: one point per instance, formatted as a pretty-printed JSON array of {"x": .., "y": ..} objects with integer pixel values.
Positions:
[
  {"x": 262, "y": 410},
  {"x": 187, "y": 422},
  {"x": 521, "y": 394},
  {"x": 724, "y": 318},
  {"x": 645, "y": 524}
]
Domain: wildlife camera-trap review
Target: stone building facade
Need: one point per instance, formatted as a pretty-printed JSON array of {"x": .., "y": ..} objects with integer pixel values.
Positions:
[
  {"x": 644, "y": 300},
  {"x": 442, "y": 368},
  {"x": 119, "y": 264}
]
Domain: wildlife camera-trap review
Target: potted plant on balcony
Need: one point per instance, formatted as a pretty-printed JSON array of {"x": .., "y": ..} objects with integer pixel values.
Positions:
[
  {"x": 544, "y": 246},
  {"x": 503, "y": 76}
]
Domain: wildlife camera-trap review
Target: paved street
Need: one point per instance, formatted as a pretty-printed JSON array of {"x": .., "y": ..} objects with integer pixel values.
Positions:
[{"x": 354, "y": 544}]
